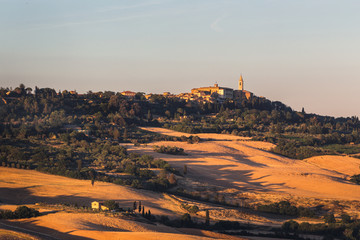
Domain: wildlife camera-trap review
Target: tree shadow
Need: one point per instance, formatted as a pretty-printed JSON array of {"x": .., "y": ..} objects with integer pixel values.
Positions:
[
  {"x": 24, "y": 196},
  {"x": 234, "y": 157},
  {"x": 49, "y": 212},
  {"x": 99, "y": 227},
  {"x": 18, "y": 196},
  {"x": 30, "y": 227},
  {"x": 223, "y": 175}
]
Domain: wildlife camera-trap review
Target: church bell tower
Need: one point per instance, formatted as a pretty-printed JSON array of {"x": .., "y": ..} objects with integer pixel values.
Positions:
[{"x": 241, "y": 83}]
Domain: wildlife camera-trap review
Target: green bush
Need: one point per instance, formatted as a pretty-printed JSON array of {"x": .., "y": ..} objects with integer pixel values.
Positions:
[
  {"x": 25, "y": 212},
  {"x": 335, "y": 230},
  {"x": 226, "y": 225},
  {"x": 285, "y": 208},
  {"x": 6, "y": 214},
  {"x": 329, "y": 218},
  {"x": 111, "y": 204},
  {"x": 355, "y": 179},
  {"x": 190, "y": 208},
  {"x": 169, "y": 150},
  {"x": 186, "y": 220},
  {"x": 290, "y": 226},
  {"x": 345, "y": 218},
  {"x": 20, "y": 212}
]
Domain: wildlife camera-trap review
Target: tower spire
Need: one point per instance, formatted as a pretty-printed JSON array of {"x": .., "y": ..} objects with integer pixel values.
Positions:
[{"x": 241, "y": 83}]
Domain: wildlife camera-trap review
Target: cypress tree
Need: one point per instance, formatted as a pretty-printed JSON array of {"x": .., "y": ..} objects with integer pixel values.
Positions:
[
  {"x": 125, "y": 135},
  {"x": 207, "y": 218},
  {"x": 92, "y": 181},
  {"x": 149, "y": 116}
]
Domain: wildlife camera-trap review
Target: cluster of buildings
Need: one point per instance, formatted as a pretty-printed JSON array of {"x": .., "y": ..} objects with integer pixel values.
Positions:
[
  {"x": 207, "y": 94},
  {"x": 217, "y": 93},
  {"x": 99, "y": 205},
  {"x": 202, "y": 94}
]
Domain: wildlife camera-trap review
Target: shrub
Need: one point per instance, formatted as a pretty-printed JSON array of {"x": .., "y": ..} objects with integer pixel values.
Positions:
[
  {"x": 111, "y": 204},
  {"x": 329, "y": 218},
  {"x": 169, "y": 150},
  {"x": 193, "y": 139},
  {"x": 186, "y": 220},
  {"x": 136, "y": 184},
  {"x": 355, "y": 179},
  {"x": 290, "y": 226},
  {"x": 305, "y": 212},
  {"x": 305, "y": 227},
  {"x": 190, "y": 208},
  {"x": 345, "y": 218},
  {"x": 146, "y": 174},
  {"x": 6, "y": 214},
  {"x": 25, "y": 212},
  {"x": 283, "y": 208},
  {"x": 20, "y": 212},
  {"x": 226, "y": 225},
  {"x": 161, "y": 164}
]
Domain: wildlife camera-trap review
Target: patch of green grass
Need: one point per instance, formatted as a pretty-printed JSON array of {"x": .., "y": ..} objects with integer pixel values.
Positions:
[
  {"x": 343, "y": 148},
  {"x": 292, "y": 137}
]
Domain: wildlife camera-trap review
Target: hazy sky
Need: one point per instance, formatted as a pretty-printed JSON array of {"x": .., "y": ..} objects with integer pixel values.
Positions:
[{"x": 305, "y": 53}]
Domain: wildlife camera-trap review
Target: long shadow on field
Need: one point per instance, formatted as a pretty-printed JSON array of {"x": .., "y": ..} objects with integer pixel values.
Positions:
[
  {"x": 218, "y": 174},
  {"x": 25, "y": 196},
  {"x": 235, "y": 157},
  {"x": 44, "y": 233},
  {"x": 99, "y": 227},
  {"x": 222, "y": 175},
  {"x": 193, "y": 155}
]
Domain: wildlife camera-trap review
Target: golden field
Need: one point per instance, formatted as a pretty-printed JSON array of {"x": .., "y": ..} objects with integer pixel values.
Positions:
[{"x": 239, "y": 169}]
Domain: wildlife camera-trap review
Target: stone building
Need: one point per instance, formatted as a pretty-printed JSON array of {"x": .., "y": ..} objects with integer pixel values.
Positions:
[
  {"x": 216, "y": 93},
  {"x": 128, "y": 94},
  {"x": 241, "y": 93},
  {"x": 241, "y": 83},
  {"x": 99, "y": 206},
  {"x": 221, "y": 92}
]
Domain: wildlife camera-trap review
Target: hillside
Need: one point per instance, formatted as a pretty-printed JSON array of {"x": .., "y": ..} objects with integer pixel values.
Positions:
[
  {"x": 234, "y": 158},
  {"x": 246, "y": 166},
  {"x": 244, "y": 172},
  {"x": 18, "y": 187}
]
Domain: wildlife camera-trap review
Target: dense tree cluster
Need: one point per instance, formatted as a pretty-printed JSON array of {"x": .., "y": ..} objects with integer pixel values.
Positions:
[
  {"x": 169, "y": 150},
  {"x": 98, "y": 160},
  {"x": 355, "y": 179},
  {"x": 285, "y": 208},
  {"x": 349, "y": 230},
  {"x": 20, "y": 212},
  {"x": 297, "y": 134}
]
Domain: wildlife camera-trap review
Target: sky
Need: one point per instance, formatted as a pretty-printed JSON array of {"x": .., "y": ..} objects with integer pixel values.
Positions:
[{"x": 305, "y": 53}]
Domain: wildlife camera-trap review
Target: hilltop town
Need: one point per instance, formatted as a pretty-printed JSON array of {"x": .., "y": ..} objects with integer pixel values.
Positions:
[
  {"x": 217, "y": 94},
  {"x": 211, "y": 94}
]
